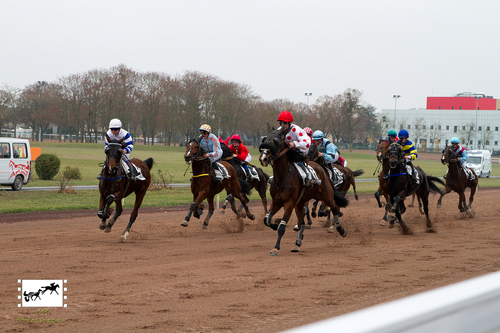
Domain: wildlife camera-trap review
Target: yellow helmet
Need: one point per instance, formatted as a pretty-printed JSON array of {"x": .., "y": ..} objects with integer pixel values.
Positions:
[{"x": 206, "y": 128}]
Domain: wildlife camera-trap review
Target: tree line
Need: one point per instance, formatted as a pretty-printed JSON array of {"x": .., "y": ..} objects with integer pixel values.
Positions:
[{"x": 171, "y": 109}]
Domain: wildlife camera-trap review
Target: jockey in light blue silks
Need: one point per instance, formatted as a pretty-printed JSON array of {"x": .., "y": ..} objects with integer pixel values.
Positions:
[
  {"x": 462, "y": 156},
  {"x": 327, "y": 150},
  {"x": 410, "y": 154},
  {"x": 212, "y": 145}
]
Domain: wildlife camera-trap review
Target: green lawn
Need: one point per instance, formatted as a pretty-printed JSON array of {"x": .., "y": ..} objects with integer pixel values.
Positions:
[{"x": 168, "y": 160}]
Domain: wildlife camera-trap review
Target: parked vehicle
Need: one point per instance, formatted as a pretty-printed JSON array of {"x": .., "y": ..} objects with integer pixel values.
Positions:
[
  {"x": 15, "y": 162},
  {"x": 480, "y": 162}
]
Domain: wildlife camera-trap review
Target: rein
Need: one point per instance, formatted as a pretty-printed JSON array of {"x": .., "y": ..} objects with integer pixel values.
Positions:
[{"x": 283, "y": 152}]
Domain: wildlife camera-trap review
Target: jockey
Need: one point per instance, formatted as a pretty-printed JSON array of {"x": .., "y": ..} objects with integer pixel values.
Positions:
[
  {"x": 392, "y": 136},
  {"x": 308, "y": 131},
  {"x": 327, "y": 150},
  {"x": 297, "y": 139},
  {"x": 462, "y": 156},
  {"x": 212, "y": 145},
  {"x": 116, "y": 132},
  {"x": 240, "y": 152},
  {"x": 410, "y": 153}
]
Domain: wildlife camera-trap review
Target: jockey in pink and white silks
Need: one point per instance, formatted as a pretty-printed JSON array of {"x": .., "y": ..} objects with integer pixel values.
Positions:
[
  {"x": 297, "y": 139},
  {"x": 116, "y": 132}
]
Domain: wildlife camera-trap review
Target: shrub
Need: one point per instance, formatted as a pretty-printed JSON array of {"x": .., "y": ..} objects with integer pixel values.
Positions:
[
  {"x": 68, "y": 174},
  {"x": 160, "y": 181},
  {"x": 47, "y": 166}
]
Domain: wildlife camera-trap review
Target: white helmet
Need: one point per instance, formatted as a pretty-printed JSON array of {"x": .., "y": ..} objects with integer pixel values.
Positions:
[{"x": 115, "y": 123}]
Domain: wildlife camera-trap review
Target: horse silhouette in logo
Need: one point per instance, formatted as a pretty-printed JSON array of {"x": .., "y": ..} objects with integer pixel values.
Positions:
[
  {"x": 29, "y": 296},
  {"x": 53, "y": 286}
]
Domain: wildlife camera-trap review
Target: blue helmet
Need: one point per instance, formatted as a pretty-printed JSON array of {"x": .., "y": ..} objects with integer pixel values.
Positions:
[
  {"x": 403, "y": 134},
  {"x": 454, "y": 140},
  {"x": 318, "y": 135}
]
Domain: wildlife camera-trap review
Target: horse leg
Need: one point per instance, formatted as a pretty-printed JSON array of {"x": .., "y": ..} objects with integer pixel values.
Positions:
[
  {"x": 247, "y": 210},
  {"x": 119, "y": 210},
  {"x": 420, "y": 209},
  {"x": 308, "y": 216},
  {"x": 412, "y": 201},
  {"x": 192, "y": 208},
  {"x": 425, "y": 202},
  {"x": 135, "y": 212},
  {"x": 300, "y": 236},
  {"x": 471, "y": 199},
  {"x": 223, "y": 207},
  {"x": 282, "y": 227},
  {"x": 461, "y": 202},
  {"x": 443, "y": 193},
  {"x": 210, "y": 201},
  {"x": 313, "y": 211},
  {"x": 377, "y": 196},
  {"x": 104, "y": 210},
  {"x": 395, "y": 209},
  {"x": 263, "y": 198}
]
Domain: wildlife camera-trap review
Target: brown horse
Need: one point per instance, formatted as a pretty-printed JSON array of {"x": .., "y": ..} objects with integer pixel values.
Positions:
[
  {"x": 259, "y": 185},
  {"x": 457, "y": 180},
  {"x": 114, "y": 185},
  {"x": 399, "y": 187},
  {"x": 341, "y": 185},
  {"x": 204, "y": 186},
  {"x": 287, "y": 190}
]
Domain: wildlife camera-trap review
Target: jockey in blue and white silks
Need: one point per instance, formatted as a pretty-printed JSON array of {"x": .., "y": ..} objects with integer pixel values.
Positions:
[{"x": 116, "y": 132}]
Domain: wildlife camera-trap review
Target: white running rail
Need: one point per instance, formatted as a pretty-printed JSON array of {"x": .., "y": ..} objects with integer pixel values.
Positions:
[{"x": 469, "y": 306}]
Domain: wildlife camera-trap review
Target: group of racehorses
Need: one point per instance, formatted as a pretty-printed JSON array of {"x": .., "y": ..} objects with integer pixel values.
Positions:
[{"x": 286, "y": 188}]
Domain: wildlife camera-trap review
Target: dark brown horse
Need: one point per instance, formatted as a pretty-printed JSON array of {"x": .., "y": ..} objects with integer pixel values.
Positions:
[
  {"x": 204, "y": 186},
  {"x": 457, "y": 180},
  {"x": 342, "y": 185},
  {"x": 399, "y": 187},
  {"x": 287, "y": 190},
  {"x": 259, "y": 185},
  {"x": 114, "y": 185}
]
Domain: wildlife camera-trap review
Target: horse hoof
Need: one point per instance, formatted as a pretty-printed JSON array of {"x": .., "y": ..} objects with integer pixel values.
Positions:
[
  {"x": 274, "y": 226},
  {"x": 296, "y": 248},
  {"x": 308, "y": 226},
  {"x": 204, "y": 226},
  {"x": 102, "y": 225},
  {"x": 184, "y": 223},
  {"x": 330, "y": 230},
  {"x": 391, "y": 224},
  {"x": 296, "y": 228},
  {"x": 107, "y": 230},
  {"x": 274, "y": 252},
  {"x": 382, "y": 223},
  {"x": 342, "y": 231},
  {"x": 221, "y": 211},
  {"x": 469, "y": 211},
  {"x": 439, "y": 206},
  {"x": 123, "y": 238},
  {"x": 430, "y": 231},
  {"x": 411, "y": 205},
  {"x": 313, "y": 214},
  {"x": 243, "y": 215}
]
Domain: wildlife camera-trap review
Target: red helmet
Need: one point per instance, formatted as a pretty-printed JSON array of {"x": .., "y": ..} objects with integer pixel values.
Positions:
[
  {"x": 308, "y": 131},
  {"x": 285, "y": 116},
  {"x": 236, "y": 137}
]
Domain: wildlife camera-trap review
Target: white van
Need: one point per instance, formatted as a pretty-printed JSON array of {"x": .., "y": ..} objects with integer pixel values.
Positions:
[
  {"x": 480, "y": 162},
  {"x": 15, "y": 162}
]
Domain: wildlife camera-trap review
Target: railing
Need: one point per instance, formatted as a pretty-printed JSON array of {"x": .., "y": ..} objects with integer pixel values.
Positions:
[
  {"x": 469, "y": 306},
  {"x": 495, "y": 160}
]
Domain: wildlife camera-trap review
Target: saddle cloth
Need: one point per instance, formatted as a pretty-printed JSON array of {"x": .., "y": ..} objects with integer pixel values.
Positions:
[
  {"x": 252, "y": 171},
  {"x": 409, "y": 170},
  {"x": 338, "y": 177},
  {"x": 314, "y": 177},
  {"x": 126, "y": 169},
  {"x": 220, "y": 176}
]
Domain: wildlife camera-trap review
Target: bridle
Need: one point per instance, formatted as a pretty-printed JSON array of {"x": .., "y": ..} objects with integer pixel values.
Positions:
[
  {"x": 381, "y": 155},
  {"x": 394, "y": 155},
  {"x": 447, "y": 152},
  {"x": 113, "y": 152},
  {"x": 276, "y": 142},
  {"x": 198, "y": 156}
]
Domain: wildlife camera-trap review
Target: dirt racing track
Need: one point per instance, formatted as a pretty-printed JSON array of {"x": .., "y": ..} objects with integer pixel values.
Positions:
[{"x": 167, "y": 278}]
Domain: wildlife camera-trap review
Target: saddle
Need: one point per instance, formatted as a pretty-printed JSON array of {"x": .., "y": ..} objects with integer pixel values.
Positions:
[
  {"x": 223, "y": 174},
  {"x": 253, "y": 172},
  {"x": 314, "y": 177},
  {"x": 337, "y": 177}
]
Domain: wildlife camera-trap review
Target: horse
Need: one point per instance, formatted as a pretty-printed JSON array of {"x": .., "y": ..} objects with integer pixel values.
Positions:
[
  {"x": 53, "y": 286},
  {"x": 204, "y": 186},
  {"x": 399, "y": 187},
  {"x": 287, "y": 190},
  {"x": 260, "y": 185},
  {"x": 457, "y": 180},
  {"x": 343, "y": 186},
  {"x": 115, "y": 185}
]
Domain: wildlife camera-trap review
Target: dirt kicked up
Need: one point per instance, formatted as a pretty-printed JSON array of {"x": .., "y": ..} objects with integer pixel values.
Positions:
[{"x": 168, "y": 278}]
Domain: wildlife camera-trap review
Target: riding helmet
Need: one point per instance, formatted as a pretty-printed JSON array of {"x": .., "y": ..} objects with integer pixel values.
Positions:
[
  {"x": 236, "y": 137},
  {"x": 115, "y": 123},
  {"x": 206, "y": 128},
  {"x": 403, "y": 134},
  {"x": 308, "y": 131},
  {"x": 392, "y": 133},
  {"x": 318, "y": 135},
  {"x": 285, "y": 116},
  {"x": 454, "y": 140}
]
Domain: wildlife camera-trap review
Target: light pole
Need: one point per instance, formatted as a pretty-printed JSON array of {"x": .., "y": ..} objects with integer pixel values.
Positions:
[
  {"x": 308, "y": 94},
  {"x": 477, "y": 108},
  {"x": 395, "y": 100}
]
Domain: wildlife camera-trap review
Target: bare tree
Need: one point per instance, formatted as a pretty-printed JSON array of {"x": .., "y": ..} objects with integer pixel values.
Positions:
[
  {"x": 435, "y": 135},
  {"x": 419, "y": 130},
  {"x": 466, "y": 133}
]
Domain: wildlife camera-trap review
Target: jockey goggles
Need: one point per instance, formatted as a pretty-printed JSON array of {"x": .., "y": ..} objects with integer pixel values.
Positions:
[{"x": 114, "y": 129}]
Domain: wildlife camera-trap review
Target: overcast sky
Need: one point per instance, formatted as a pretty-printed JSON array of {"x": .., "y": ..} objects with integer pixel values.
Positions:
[{"x": 280, "y": 48}]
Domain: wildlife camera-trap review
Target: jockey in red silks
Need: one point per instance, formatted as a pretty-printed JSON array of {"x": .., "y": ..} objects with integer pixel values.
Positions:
[{"x": 240, "y": 152}]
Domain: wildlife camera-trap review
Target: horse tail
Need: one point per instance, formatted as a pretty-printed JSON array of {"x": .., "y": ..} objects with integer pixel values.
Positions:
[
  {"x": 340, "y": 200},
  {"x": 246, "y": 188},
  {"x": 149, "y": 162},
  {"x": 358, "y": 172},
  {"x": 432, "y": 180}
]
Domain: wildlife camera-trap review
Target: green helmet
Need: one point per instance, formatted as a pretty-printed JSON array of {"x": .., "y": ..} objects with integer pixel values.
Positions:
[{"x": 392, "y": 133}]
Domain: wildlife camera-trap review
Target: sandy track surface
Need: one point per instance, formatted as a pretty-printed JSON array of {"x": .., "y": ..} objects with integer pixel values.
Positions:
[{"x": 167, "y": 278}]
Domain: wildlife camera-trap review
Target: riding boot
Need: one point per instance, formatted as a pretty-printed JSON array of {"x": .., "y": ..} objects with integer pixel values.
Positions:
[
  {"x": 334, "y": 177},
  {"x": 253, "y": 172},
  {"x": 132, "y": 172},
  {"x": 247, "y": 172},
  {"x": 216, "y": 167},
  {"x": 307, "y": 180}
]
